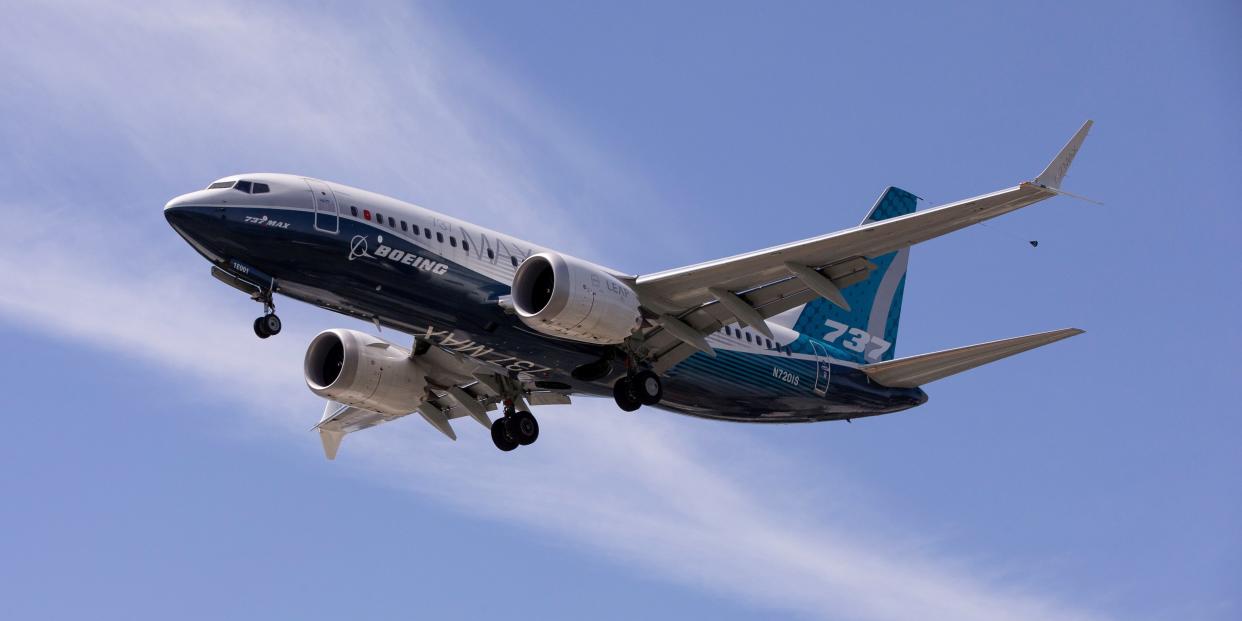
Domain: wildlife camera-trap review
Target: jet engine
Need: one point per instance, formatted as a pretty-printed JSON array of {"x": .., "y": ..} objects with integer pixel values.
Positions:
[
  {"x": 570, "y": 298},
  {"x": 363, "y": 371}
]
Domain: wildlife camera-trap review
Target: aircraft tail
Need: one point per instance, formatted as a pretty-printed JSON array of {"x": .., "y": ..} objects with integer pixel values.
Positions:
[{"x": 869, "y": 326}]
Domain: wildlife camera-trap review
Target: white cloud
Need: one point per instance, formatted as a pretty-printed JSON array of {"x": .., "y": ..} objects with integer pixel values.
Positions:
[{"x": 649, "y": 489}]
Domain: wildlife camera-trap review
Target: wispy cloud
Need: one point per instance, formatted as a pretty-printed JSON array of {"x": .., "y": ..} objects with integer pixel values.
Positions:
[{"x": 396, "y": 103}]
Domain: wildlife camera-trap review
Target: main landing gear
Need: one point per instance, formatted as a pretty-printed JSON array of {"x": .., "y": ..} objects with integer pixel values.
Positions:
[
  {"x": 516, "y": 428},
  {"x": 634, "y": 391},
  {"x": 269, "y": 323}
]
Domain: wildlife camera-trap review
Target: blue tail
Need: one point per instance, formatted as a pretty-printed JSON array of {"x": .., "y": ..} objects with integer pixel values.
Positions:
[{"x": 868, "y": 331}]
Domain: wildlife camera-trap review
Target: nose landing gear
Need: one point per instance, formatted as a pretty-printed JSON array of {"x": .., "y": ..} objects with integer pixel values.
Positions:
[
  {"x": 269, "y": 323},
  {"x": 259, "y": 287}
]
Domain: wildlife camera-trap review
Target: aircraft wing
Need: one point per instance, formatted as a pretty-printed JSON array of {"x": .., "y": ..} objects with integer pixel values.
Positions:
[{"x": 699, "y": 299}]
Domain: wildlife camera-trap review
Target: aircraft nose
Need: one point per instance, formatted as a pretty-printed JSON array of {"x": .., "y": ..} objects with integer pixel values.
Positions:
[
  {"x": 176, "y": 207},
  {"x": 186, "y": 213},
  {"x": 181, "y": 210}
]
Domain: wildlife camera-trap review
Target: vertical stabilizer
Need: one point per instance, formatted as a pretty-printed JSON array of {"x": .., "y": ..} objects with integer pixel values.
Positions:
[{"x": 869, "y": 328}]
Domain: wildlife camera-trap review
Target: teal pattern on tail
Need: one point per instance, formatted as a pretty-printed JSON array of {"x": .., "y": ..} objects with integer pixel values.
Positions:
[{"x": 868, "y": 331}]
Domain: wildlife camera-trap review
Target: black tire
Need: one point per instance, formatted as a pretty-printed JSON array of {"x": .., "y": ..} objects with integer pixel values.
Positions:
[
  {"x": 623, "y": 393},
  {"x": 525, "y": 428},
  {"x": 647, "y": 387},
  {"x": 500, "y": 435},
  {"x": 272, "y": 323},
  {"x": 260, "y": 328}
]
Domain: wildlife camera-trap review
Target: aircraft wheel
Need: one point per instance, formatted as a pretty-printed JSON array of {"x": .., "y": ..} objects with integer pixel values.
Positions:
[
  {"x": 647, "y": 387},
  {"x": 272, "y": 323},
  {"x": 500, "y": 435},
  {"x": 260, "y": 328},
  {"x": 623, "y": 392},
  {"x": 525, "y": 428}
]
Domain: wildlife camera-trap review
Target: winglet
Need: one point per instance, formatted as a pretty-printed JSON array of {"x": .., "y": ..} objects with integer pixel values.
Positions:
[{"x": 1055, "y": 172}]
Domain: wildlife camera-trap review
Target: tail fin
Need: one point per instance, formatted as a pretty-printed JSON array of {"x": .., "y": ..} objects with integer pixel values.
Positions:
[{"x": 875, "y": 303}]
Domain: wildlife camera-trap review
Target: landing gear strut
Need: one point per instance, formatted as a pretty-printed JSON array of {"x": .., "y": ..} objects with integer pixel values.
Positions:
[
  {"x": 269, "y": 323},
  {"x": 634, "y": 391},
  {"x": 516, "y": 428}
]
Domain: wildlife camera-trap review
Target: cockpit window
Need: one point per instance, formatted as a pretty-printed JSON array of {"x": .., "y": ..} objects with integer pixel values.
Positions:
[{"x": 249, "y": 187}]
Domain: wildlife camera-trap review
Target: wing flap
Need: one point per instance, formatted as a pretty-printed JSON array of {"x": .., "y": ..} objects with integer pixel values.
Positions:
[{"x": 918, "y": 370}]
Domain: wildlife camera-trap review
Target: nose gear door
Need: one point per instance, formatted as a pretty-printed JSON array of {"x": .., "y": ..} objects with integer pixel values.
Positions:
[
  {"x": 824, "y": 371},
  {"x": 324, "y": 202}
]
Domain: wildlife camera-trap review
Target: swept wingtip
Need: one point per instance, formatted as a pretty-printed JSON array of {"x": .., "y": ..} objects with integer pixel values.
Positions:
[{"x": 1054, "y": 174}]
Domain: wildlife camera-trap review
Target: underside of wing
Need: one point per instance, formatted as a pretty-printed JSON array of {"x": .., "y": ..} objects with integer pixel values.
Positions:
[{"x": 451, "y": 385}]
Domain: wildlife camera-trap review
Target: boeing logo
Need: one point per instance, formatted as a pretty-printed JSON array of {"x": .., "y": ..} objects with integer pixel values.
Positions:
[{"x": 359, "y": 247}]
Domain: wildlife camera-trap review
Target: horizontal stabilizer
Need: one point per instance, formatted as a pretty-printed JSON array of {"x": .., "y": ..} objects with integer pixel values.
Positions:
[{"x": 918, "y": 370}]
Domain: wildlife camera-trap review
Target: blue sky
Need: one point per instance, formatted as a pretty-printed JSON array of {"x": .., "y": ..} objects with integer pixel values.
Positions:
[{"x": 158, "y": 463}]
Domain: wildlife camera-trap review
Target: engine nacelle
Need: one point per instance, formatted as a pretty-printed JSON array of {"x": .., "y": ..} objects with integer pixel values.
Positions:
[
  {"x": 566, "y": 297},
  {"x": 363, "y": 371}
]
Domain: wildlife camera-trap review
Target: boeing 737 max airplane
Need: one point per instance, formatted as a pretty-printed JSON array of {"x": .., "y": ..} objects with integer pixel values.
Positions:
[{"x": 800, "y": 332}]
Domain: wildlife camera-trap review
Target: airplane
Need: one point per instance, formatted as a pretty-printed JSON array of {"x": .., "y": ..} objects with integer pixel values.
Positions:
[{"x": 799, "y": 332}]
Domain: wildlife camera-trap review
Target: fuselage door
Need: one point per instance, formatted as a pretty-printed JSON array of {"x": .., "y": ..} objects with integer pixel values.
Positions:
[
  {"x": 324, "y": 201},
  {"x": 824, "y": 372}
]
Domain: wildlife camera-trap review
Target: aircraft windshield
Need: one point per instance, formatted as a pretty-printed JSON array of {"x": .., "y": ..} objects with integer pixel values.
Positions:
[{"x": 248, "y": 187}]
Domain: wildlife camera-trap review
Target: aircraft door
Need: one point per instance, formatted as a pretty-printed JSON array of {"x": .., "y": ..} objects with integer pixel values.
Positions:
[
  {"x": 824, "y": 371},
  {"x": 324, "y": 201}
]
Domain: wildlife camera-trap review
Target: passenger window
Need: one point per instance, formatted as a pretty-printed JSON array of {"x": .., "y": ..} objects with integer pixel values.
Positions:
[
  {"x": 404, "y": 226},
  {"x": 465, "y": 245},
  {"x": 513, "y": 260},
  {"x": 260, "y": 188},
  {"x": 353, "y": 211},
  {"x": 440, "y": 237},
  {"x": 453, "y": 241},
  {"x": 391, "y": 222},
  {"x": 427, "y": 232},
  {"x": 366, "y": 213},
  {"x": 379, "y": 218},
  {"x": 769, "y": 342},
  {"x": 747, "y": 337},
  {"x": 242, "y": 186},
  {"x": 491, "y": 254}
]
